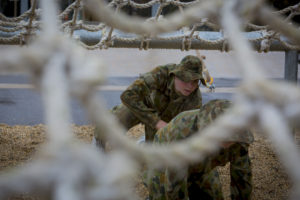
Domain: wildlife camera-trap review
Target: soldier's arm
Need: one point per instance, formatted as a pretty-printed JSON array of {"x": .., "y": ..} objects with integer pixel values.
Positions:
[
  {"x": 180, "y": 127},
  {"x": 241, "y": 174},
  {"x": 134, "y": 96}
]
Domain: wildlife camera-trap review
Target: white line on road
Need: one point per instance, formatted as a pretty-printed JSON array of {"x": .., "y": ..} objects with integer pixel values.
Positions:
[
  {"x": 30, "y": 86},
  {"x": 111, "y": 88},
  {"x": 15, "y": 86}
]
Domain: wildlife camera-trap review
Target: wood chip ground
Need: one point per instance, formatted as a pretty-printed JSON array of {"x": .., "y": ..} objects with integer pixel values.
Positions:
[{"x": 19, "y": 143}]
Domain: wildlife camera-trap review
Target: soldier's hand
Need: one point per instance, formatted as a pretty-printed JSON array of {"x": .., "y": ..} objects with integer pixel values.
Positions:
[{"x": 160, "y": 124}]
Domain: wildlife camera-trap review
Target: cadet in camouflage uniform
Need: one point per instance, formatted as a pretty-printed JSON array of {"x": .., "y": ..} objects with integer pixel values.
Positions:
[
  {"x": 159, "y": 95},
  {"x": 201, "y": 180}
]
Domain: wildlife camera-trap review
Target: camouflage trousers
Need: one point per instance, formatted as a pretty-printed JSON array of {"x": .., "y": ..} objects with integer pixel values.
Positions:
[
  {"x": 199, "y": 181},
  {"x": 167, "y": 185},
  {"x": 128, "y": 120}
]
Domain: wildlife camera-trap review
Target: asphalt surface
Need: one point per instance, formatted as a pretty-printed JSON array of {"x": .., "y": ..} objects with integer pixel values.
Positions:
[{"x": 20, "y": 104}]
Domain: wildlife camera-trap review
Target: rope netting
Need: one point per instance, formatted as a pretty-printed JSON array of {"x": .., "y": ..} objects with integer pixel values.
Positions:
[
  {"x": 68, "y": 169},
  {"x": 184, "y": 27}
]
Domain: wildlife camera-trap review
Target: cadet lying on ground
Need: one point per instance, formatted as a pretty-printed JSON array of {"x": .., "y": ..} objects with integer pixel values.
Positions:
[{"x": 201, "y": 180}]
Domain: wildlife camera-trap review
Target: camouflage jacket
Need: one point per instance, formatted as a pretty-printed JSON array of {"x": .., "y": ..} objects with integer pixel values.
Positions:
[
  {"x": 187, "y": 123},
  {"x": 152, "y": 97}
]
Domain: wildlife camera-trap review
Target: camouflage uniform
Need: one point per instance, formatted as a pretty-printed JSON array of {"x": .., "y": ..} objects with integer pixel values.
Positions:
[
  {"x": 152, "y": 97},
  {"x": 202, "y": 179}
]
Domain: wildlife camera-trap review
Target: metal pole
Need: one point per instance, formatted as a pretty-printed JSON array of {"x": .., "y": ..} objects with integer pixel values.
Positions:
[
  {"x": 92, "y": 38},
  {"x": 291, "y": 66},
  {"x": 291, "y": 71},
  {"x": 154, "y": 9},
  {"x": 15, "y": 8},
  {"x": 24, "y": 6}
]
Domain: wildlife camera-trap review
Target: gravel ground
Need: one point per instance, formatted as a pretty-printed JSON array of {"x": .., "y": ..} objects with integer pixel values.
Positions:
[{"x": 19, "y": 143}]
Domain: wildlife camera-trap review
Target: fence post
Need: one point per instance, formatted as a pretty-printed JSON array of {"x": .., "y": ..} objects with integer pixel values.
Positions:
[
  {"x": 154, "y": 9},
  {"x": 291, "y": 66},
  {"x": 291, "y": 72},
  {"x": 24, "y": 6}
]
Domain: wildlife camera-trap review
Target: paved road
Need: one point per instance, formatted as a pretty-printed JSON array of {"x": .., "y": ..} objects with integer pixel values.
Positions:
[{"x": 20, "y": 104}]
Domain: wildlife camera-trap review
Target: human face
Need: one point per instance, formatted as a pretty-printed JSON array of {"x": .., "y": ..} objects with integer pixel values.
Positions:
[{"x": 185, "y": 88}]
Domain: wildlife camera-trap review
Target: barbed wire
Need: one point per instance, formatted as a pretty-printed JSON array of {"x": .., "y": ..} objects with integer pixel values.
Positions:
[{"x": 66, "y": 169}]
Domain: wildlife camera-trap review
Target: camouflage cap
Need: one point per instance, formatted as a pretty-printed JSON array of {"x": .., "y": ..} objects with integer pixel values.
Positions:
[
  {"x": 189, "y": 69},
  {"x": 213, "y": 109}
]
